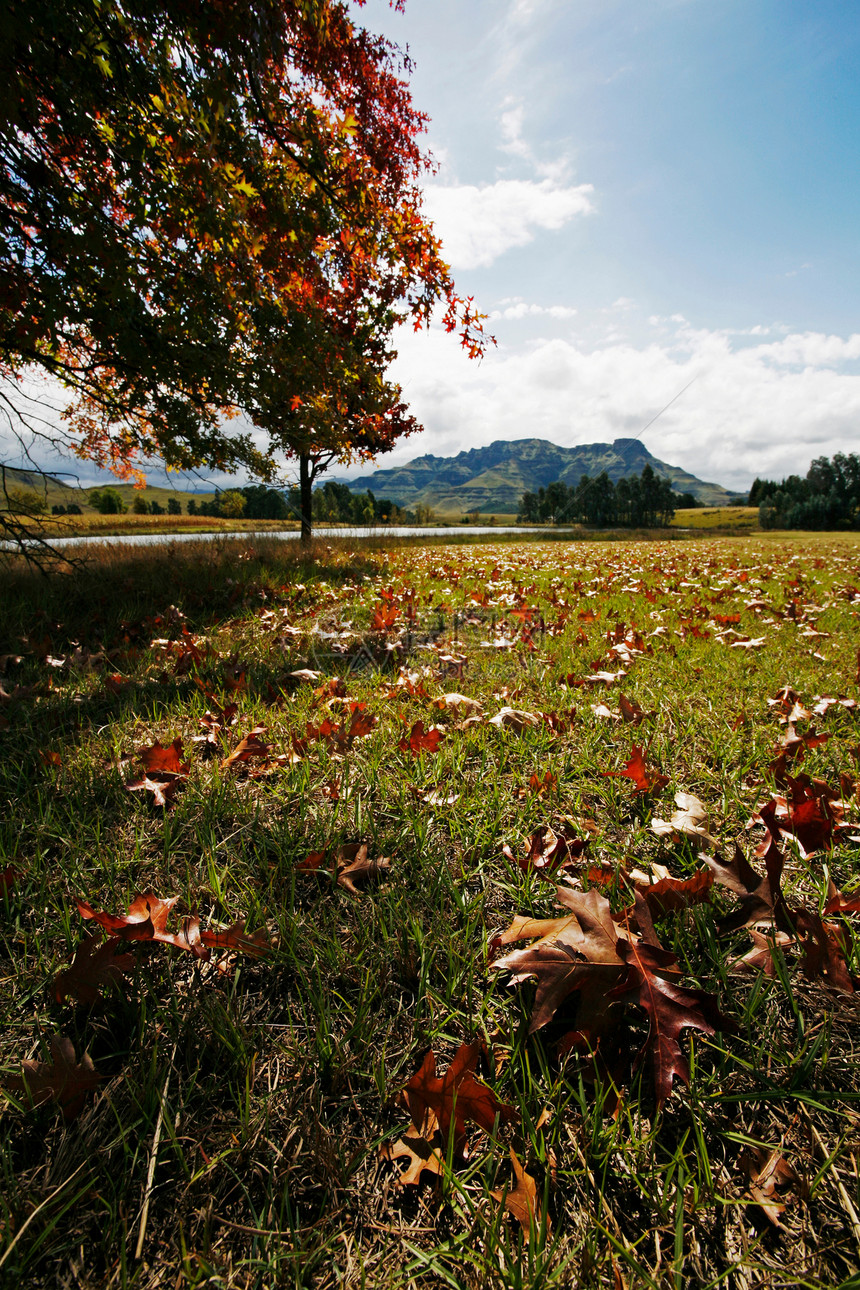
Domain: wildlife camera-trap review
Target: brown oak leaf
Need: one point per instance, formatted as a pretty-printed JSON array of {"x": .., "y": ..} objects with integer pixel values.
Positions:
[
  {"x": 146, "y": 920},
  {"x": 450, "y": 1101},
  {"x": 547, "y": 852},
  {"x": 157, "y": 759},
  {"x": 64, "y": 1079},
  {"x": 522, "y": 1200},
  {"x": 348, "y": 864},
  {"x": 670, "y": 1008},
  {"x": 96, "y": 963}
]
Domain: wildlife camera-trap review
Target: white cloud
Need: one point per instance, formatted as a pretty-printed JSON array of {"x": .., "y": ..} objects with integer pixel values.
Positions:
[
  {"x": 762, "y": 408},
  {"x": 479, "y": 224},
  {"x": 518, "y": 308}
]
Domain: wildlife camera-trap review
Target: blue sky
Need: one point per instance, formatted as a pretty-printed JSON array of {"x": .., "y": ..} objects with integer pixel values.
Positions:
[{"x": 642, "y": 194}]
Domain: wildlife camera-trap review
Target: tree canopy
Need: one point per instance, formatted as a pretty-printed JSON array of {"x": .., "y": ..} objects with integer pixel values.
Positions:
[
  {"x": 208, "y": 207},
  {"x": 827, "y": 498},
  {"x": 641, "y": 501}
]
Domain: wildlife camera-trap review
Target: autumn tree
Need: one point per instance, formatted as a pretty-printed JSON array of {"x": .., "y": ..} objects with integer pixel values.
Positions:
[{"x": 209, "y": 208}]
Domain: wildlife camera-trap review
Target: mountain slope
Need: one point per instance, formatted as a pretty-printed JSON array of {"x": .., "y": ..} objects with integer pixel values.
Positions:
[{"x": 494, "y": 478}]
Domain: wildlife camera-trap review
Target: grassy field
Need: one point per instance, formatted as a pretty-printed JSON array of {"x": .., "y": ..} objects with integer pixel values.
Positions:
[
  {"x": 221, "y": 1102},
  {"x": 731, "y": 519}
]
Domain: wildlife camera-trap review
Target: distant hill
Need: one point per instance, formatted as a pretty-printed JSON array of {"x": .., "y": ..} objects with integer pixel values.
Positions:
[{"x": 493, "y": 479}]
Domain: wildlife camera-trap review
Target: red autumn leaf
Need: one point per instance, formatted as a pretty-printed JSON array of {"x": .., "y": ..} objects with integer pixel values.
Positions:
[
  {"x": 50, "y": 758},
  {"x": 646, "y": 779},
  {"x": 672, "y": 894},
  {"x": 607, "y": 966},
  {"x": 146, "y": 920},
  {"x": 8, "y": 878},
  {"x": 670, "y": 1008},
  {"x": 361, "y": 722},
  {"x": 384, "y": 616},
  {"x": 420, "y": 740},
  {"x": 64, "y": 1079},
  {"x": 540, "y": 787},
  {"x": 824, "y": 947},
  {"x": 836, "y": 902},
  {"x": 631, "y": 711},
  {"x": 334, "y": 688},
  {"x": 340, "y": 737},
  {"x": 158, "y": 760},
  {"x": 454, "y": 1099},
  {"x": 96, "y": 963},
  {"x": 235, "y": 938},
  {"x": 116, "y": 683},
  {"x": 812, "y": 813},
  {"x": 213, "y": 723}
]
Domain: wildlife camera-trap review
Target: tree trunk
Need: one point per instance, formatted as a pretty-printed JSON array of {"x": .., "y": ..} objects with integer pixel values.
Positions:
[{"x": 306, "y": 496}]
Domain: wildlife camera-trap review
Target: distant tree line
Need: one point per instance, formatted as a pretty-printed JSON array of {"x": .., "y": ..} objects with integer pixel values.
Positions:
[
  {"x": 332, "y": 504},
  {"x": 828, "y": 498},
  {"x": 642, "y": 501}
]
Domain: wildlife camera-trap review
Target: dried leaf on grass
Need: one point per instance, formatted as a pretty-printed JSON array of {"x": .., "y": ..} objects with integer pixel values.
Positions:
[
  {"x": 646, "y": 779},
  {"x": 96, "y": 963},
  {"x": 420, "y": 740},
  {"x": 522, "y": 1200},
  {"x": 548, "y": 852},
  {"x": 594, "y": 953},
  {"x": 690, "y": 820},
  {"x": 514, "y": 719},
  {"x": 347, "y": 865},
  {"x": 769, "y": 1173},
  {"x": 146, "y": 920},
  {"x": 63, "y": 1079},
  {"x": 441, "y": 1107}
]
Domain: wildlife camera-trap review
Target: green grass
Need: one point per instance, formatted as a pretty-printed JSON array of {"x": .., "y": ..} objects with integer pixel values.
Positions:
[{"x": 259, "y": 1099}]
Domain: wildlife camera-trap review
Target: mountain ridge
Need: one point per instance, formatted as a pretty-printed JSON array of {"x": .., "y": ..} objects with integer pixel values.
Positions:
[{"x": 494, "y": 477}]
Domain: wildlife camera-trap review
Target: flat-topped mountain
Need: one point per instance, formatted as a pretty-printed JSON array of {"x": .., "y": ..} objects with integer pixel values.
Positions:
[{"x": 494, "y": 478}]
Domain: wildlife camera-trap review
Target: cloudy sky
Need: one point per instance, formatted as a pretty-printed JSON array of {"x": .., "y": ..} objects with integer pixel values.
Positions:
[
  {"x": 652, "y": 200},
  {"x": 643, "y": 194}
]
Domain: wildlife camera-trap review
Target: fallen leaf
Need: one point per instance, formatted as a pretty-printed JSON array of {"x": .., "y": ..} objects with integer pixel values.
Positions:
[
  {"x": 547, "y": 851},
  {"x": 420, "y": 1153},
  {"x": 64, "y": 1079},
  {"x": 457, "y": 703},
  {"x": 514, "y": 719},
  {"x": 670, "y": 1009},
  {"x": 456, "y": 1098},
  {"x": 96, "y": 963},
  {"x": 348, "y": 863},
  {"x": 690, "y": 820},
  {"x": 646, "y": 779},
  {"x": 522, "y": 1201},
  {"x": 768, "y": 1173},
  {"x": 420, "y": 740},
  {"x": 157, "y": 759},
  {"x": 235, "y": 938},
  {"x": 146, "y": 920}
]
